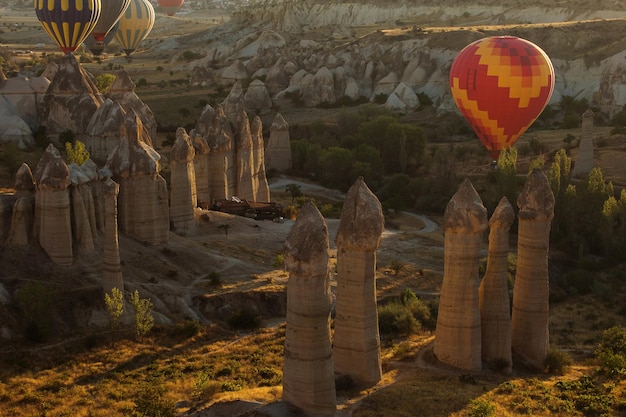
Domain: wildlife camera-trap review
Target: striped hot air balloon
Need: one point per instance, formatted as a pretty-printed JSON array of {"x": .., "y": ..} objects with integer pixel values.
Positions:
[
  {"x": 68, "y": 22},
  {"x": 135, "y": 24},
  {"x": 111, "y": 12},
  {"x": 501, "y": 84}
]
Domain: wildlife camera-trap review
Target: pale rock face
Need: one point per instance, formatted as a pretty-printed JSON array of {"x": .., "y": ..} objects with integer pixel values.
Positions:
[
  {"x": 84, "y": 225},
  {"x": 104, "y": 130},
  {"x": 23, "y": 213},
  {"x": 213, "y": 127},
  {"x": 259, "y": 178},
  {"x": 52, "y": 207},
  {"x": 277, "y": 78},
  {"x": 244, "y": 159},
  {"x": 257, "y": 98},
  {"x": 386, "y": 85},
  {"x": 234, "y": 72},
  {"x": 395, "y": 104},
  {"x": 143, "y": 197},
  {"x": 111, "y": 265},
  {"x": 22, "y": 96},
  {"x": 321, "y": 88},
  {"x": 407, "y": 95},
  {"x": 201, "y": 170},
  {"x": 356, "y": 344},
  {"x": 183, "y": 198},
  {"x": 352, "y": 89},
  {"x": 278, "y": 151},
  {"x": 14, "y": 129},
  {"x": 70, "y": 101},
  {"x": 531, "y": 293},
  {"x": 458, "y": 333},
  {"x": 495, "y": 310},
  {"x": 584, "y": 158},
  {"x": 234, "y": 103},
  {"x": 308, "y": 375},
  {"x": 122, "y": 91}
]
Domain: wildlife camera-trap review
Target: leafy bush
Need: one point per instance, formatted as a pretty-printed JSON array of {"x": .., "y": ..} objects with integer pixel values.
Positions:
[
  {"x": 115, "y": 306},
  {"x": 481, "y": 408},
  {"x": 279, "y": 261},
  {"x": 612, "y": 351},
  {"x": 557, "y": 362},
  {"x": 104, "y": 81},
  {"x": 214, "y": 279},
  {"x": 76, "y": 152},
  {"x": 395, "y": 319},
  {"x": 151, "y": 401},
  {"x": 144, "y": 320}
]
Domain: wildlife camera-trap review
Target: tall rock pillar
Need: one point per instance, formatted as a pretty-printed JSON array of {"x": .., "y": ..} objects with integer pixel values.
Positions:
[
  {"x": 278, "y": 151},
  {"x": 183, "y": 199},
  {"x": 495, "y": 307},
  {"x": 530, "y": 333},
  {"x": 111, "y": 270},
  {"x": 259, "y": 177},
  {"x": 52, "y": 207},
  {"x": 356, "y": 343},
  {"x": 458, "y": 333},
  {"x": 308, "y": 374},
  {"x": 24, "y": 209}
]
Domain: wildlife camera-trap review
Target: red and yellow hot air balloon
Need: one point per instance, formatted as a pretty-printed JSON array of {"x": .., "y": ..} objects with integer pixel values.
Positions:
[
  {"x": 170, "y": 6},
  {"x": 68, "y": 22},
  {"x": 111, "y": 11},
  {"x": 501, "y": 84},
  {"x": 134, "y": 25}
]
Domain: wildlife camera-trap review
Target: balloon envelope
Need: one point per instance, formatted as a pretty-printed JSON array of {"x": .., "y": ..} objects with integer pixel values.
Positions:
[
  {"x": 501, "y": 84},
  {"x": 170, "y": 6},
  {"x": 68, "y": 22},
  {"x": 111, "y": 11},
  {"x": 135, "y": 24},
  {"x": 96, "y": 47}
]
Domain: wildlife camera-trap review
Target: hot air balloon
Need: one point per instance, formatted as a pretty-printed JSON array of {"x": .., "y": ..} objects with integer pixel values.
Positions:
[
  {"x": 501, "y": 84},
  {"x": 68, "y": 22},
  {"x": 135, "y": 24},
  {"x": 111, "y": 12},
  {"x": 96, "y": 47},
  {"x": 170, "y": 6}
]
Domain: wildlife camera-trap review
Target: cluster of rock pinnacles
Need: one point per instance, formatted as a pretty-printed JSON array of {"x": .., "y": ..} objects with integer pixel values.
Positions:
[{"x": 475, "y": 324}]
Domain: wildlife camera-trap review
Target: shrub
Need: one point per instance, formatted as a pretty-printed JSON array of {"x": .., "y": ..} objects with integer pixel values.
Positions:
[
  {"x": 144, "y": 320},
  {"x": 557, "y": 362},
  {"x": 150, "y": 400},
  {"x": 279, "y": 261},
  {"x": 395, "y": 319},
  {"x": 481, "y": 408},
  {"x": 142, "y": 82},
  {"x": 104, "y": 81},
  {"x": 115, "y": 306},
  {"x": 188, "y": 328},
  {"x": 214, "y": 279},
  {"x": 612, "y": 351},
  {"x": 76, "y": 151},
  {"x": 205, "y": 388},
  {"x": 245, "y": 319}
]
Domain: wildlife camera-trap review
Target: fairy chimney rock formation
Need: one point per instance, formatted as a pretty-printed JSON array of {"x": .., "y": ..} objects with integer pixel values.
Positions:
[
  {"x": 103, "y": 131},
  {"x": 201, "y": 170},
  {"x": 259, "y": 176},
  {"x": 122, "y": 91},
  {"x": 495, "y": 311},
  {"x": 183, "y": 199},
  {"x": 213, "y": 126},
  {"x": 23, "y": 212},
  {"x": 83, "y": 207},
  {"x": 244, "y": 161},
  {"x": 458, "y": 333},
  {"x": 143, "y": 196},
  {"x": 278, "y": 150},
  {"x": 52, "y": 207},
  {"x": 234, "y": 103},
  {"x": 257, "y": 98},
  {"x": 531, "y": 292},
  {"x": 308, "y": 375},
  {"x": 356, "y": 344},
  {"x": 584, "y": 159},
  {"x": 70, "y": 101},
  {"x": 111, "y": 265}
]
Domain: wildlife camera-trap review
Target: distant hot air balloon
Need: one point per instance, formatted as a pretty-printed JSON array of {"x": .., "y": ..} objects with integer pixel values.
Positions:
[
  {"x": 111, "y": 12},
  {"x": 96, "y": 47},
  {"x": 170, "y": 6},
  {"x": 501, "y": 84},
  {"x": 68, "y": 22},
  {"x": 135, "y": 24}
]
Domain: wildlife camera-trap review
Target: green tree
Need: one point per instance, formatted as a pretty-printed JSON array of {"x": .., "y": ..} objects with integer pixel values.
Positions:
[
  {"x": 334, "y": 168},
  {"x": 506, "y": 174},
  {"x": 115, "y": 306},
  {"x": 104, "y": 81},
  {"x": 142, "y": 314},
  {"x": 294, "y": 190},
  {"x": 76, "y": 153}
]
